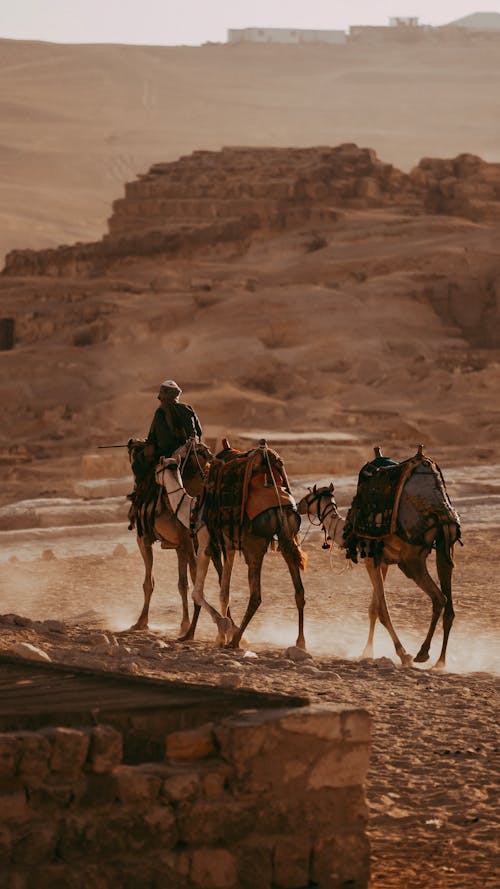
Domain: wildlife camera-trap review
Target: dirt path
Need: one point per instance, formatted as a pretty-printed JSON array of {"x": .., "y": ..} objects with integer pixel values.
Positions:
[{"x": 433, "y": 783}]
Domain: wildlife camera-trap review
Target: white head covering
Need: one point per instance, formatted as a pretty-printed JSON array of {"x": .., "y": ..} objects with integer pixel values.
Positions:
[{"x": 170, "y": 384}]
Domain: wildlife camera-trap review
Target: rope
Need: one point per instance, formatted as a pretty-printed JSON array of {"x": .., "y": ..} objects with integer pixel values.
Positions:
[{"x": 271, "y": 473}]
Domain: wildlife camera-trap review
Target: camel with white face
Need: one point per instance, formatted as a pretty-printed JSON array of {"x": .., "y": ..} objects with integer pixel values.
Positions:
[
  {"x": 320, "y": 504},
  {"x": 172, "y": 526}
]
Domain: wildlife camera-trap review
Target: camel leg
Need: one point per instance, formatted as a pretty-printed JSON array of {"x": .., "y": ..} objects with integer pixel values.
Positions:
[
  {"x": 146, "y": 550},
  {"x": 183, "y": 558},
  {"x": 291, "y": 557},
  {"x": 224, "y": 635},
  {"x": 373, "y": 614},
  {"x": 254, "y": 561},
  {"x": 202, "y": 566},
  {"x": 416, "y": 570},
  {"x": 376, "y": 577},
  {"x": 444, "y": 564}
]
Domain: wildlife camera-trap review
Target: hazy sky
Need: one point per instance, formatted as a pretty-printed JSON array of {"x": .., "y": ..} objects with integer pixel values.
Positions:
[{"x": 198, "y": 21}]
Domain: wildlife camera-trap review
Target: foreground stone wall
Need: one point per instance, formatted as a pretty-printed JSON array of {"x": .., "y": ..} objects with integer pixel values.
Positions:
[{"x": 262, "y": 799}]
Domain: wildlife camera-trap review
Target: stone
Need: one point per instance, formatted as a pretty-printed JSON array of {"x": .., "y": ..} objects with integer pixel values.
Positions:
[
  {"x": 181, "y": 786},
  {"x": 298, "y": 655},
  {"x": 9, "y": 754},
  {"x": 69, "y": 750},
  {"x": 214, "y": 869},
  {"x": 29, "y": 652},
  {"x": 194, "y": 744},
  {"x": 343, "y": 766},
  {"x": 356, "y": 725},
  {"x": 222, "y": 821},
  {"x": 53, "y": 626},
  {"x": 105, "y": 749},
  {"x": 35, "y": 751},
  {"x": 324, "y": 722},
  {"x": 341, "y": 860},
  {"x": 134, "y": 786}
]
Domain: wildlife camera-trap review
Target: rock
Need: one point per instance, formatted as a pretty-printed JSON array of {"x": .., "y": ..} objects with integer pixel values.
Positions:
[
  {"x": 298, "y": 655},
  {"x": 106, "y": 748},
  {"x": 195, "y": 744},
  {"x": 384, "y": 663},
  {"x": 48, "y": 555},
  {"x": 52, "y": 626},
  {"x": 29, "y": 651}
]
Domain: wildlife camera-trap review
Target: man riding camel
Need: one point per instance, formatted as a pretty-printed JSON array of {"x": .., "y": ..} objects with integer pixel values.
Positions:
[{"x": 172, "y": 425}]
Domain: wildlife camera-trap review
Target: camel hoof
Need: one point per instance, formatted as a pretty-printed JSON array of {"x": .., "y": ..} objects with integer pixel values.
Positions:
[
  {"x": 139, "y": 626},
  {"x": 439, "y": 667},
  {"x": 421, "y": 657},
  {"x": 407, "y": 660},
  {"x": 187, "y": 637},
  {"x": 301, "y": 643}
]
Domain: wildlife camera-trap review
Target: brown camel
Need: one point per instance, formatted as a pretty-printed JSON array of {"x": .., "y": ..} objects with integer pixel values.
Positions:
[
  {"x": 252, "y": 537},
  {"x": 171, "y": 522},
  {"x": 439, "y": 529}
]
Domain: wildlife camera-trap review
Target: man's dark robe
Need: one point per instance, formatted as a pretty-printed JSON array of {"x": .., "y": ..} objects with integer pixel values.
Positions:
[{"x": 171, "y": 427}]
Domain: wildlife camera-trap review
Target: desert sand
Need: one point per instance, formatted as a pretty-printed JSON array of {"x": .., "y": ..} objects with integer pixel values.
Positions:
[{"x": 384, "y": 332}]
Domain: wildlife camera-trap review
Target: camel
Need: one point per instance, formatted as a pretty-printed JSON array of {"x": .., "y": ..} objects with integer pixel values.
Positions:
[
  {"x": 437, "y": 532},
  {"x": 253, "y": 538},
  {"x": 172, "y": 523}
]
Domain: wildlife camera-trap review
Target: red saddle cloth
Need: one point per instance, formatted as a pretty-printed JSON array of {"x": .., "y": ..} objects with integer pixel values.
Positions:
[
  {"x": 242, "y": 485},
  {"x": 262, "y": 494}
]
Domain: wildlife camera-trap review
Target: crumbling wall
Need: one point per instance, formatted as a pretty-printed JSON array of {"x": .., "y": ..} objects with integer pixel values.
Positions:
[{"x": 261, "y": 799}]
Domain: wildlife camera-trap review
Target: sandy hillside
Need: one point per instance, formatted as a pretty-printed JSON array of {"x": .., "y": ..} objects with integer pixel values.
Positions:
[{"x": 78, "y": 121}]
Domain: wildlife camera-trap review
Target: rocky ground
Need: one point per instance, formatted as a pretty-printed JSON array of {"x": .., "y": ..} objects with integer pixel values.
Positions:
[{"x": 432, "y": 786}]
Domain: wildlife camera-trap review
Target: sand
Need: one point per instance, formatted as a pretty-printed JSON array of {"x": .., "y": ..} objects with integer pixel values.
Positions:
[{"x": 433, "y": 782}]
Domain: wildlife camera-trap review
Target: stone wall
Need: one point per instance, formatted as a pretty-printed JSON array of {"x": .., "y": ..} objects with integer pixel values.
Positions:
[
  {"x": 462, "y": 186},
  {"x": 261, "y": 799}
]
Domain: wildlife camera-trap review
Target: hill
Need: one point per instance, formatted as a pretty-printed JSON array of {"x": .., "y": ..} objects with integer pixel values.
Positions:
[
  {"x": 320, "y": 297},
  {"x": 78, "y": 121},
  {"x": 479, "y": 20}
]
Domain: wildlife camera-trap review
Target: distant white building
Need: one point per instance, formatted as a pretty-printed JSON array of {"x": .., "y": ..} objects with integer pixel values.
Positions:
[{"x": 284, "y": 35}]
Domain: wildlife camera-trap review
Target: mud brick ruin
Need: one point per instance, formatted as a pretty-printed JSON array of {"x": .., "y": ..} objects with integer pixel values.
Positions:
[{"x": 216, "y": 199}]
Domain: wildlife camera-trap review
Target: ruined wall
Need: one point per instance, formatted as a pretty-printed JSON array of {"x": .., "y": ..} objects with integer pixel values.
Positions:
[
  {"x": 215, "y": 200},
  {"x": 462, "y": 186},
  {"x": 261, "y": 799}
]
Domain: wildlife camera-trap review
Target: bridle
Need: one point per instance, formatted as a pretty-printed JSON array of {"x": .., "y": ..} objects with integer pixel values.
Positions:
[
  {"x": 191, "y": 450},
  {"x": 314, "y": 497}
]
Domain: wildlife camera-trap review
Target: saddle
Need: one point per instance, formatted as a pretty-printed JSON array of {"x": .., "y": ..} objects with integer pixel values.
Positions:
[
  {"x": 396, "y": 498},
  {"x": 241, "y": 485},
  {"x": 145, "y": 500}
]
